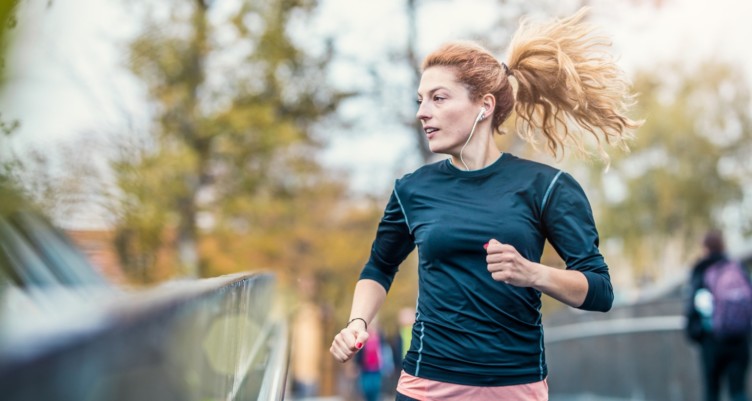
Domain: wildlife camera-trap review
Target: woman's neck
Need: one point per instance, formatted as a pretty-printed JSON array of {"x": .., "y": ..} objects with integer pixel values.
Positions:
[{"x": 477, "y": 155}]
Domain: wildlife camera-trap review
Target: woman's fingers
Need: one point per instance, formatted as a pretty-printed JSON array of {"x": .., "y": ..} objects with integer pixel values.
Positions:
[
  {"x": 504, "y": 263},
  {"x": 347, "y": 343},
  {"x": 341, "y": 352}
]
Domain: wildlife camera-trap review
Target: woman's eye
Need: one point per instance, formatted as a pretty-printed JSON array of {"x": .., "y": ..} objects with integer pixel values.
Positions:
[
  {"x": 438, "y": 98},
  {"x": 418, "y": 101}
]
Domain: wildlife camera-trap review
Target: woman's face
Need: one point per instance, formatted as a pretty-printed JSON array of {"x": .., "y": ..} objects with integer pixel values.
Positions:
[{"x": 445, "y": 110}]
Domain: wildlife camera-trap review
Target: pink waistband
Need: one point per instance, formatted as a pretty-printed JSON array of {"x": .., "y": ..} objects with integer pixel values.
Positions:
[{"x": 431, "y": 390}]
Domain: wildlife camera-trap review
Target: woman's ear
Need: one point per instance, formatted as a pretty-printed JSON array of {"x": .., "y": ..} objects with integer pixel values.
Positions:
[{"x": 489, "y": 102}]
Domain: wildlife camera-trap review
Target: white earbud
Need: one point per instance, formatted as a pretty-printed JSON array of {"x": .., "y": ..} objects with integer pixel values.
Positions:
[
  {"x": 478, "y": 119},
  {"x": 481, "y": 115}
]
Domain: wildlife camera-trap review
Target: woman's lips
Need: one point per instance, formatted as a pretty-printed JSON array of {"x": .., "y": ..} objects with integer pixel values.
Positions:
[{"x": 430, "y": 132}]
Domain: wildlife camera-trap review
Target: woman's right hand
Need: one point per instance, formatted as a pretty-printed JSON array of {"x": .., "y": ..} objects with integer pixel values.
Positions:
[{"x": 348, "y": 342}]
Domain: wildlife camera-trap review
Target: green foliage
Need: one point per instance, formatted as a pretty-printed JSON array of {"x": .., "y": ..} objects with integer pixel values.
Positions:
[
  {"x": 235, "y": 100},
  {"x": 7, "y": 22},
  {"x": 145, "y": 182},
  {"x": 687, "y": 163}
]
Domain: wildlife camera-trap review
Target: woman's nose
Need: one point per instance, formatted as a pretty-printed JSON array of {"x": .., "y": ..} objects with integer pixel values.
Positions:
[{"x": 422, "y": 112}]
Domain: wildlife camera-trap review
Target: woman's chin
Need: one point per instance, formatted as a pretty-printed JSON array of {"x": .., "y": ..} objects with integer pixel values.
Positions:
[{"x": 437, "y": 147}]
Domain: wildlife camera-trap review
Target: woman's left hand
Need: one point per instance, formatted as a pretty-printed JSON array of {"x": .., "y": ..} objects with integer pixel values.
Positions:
[{"x": 507, "y": 265}]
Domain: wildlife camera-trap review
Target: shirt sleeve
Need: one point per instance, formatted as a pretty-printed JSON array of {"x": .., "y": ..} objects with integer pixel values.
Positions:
[
  {"x": 570, "y": 228},
  {"x": 392, "y": 245}
]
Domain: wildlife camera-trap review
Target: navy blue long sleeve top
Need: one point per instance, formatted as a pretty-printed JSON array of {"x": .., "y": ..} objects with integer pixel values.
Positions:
[{"x": 469, "y": 328}]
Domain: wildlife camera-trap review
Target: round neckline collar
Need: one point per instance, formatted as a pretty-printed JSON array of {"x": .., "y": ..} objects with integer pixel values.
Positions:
[{"x": 472, "y": 173}]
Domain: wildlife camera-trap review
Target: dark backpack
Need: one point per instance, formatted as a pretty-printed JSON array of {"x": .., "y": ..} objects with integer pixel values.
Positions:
[{"x": 732, "y": 298}]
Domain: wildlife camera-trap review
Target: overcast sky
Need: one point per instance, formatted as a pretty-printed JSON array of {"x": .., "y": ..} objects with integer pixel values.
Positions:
[{"x": 65, "y": 80}]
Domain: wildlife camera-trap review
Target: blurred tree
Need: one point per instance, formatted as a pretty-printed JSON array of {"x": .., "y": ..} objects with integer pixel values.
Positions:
[
  {"x": 12, "y": 167},
  {"x": 7, "y": 22},
  {"x": 145, "y": 182},
  {"x": 234, "y": 100},
  {"x": 688, "y": 165}
]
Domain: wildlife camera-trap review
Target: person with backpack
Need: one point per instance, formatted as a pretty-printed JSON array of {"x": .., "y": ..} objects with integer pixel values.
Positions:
[{"x": 719, "y": 318}]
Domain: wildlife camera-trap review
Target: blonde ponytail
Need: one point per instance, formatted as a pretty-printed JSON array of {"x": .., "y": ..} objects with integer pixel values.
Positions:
[{"x": 569, "y": 86}]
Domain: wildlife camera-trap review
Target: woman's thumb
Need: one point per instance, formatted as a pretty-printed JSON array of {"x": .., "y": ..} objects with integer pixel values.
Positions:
[
  {"x": 360, "y": 341},
  {"x": 490, "y": 242}
]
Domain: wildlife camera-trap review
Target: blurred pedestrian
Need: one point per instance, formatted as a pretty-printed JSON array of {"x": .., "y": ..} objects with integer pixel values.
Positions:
[
  {"x": 720, "y": 300},
  {"x": 406, "y": 320},
  {"x": 372, "y": 361},
  {"x": 480, "y": 218}
]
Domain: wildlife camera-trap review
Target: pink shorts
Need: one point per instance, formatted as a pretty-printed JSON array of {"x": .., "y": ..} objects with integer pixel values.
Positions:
[{"x": 430, "y": 390}]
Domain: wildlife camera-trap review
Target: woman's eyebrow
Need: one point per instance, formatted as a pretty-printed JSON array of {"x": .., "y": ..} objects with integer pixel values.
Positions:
[{"x": 435, "y": 89}]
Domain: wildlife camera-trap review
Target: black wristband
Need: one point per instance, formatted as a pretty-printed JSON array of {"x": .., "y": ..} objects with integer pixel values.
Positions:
[{"x": 357, "y": 318}]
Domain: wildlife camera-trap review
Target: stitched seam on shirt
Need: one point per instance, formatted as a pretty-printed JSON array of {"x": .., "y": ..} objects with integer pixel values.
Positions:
[
  {"x": 548, "y": 191},
  {"x": 399, "y": 201},
  {"x": 540, "y": 357},
  {"x": 420, "y": 348}
]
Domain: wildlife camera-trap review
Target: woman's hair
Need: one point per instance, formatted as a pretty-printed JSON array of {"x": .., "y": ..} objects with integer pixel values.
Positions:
[{"x": 568, "y": 86}]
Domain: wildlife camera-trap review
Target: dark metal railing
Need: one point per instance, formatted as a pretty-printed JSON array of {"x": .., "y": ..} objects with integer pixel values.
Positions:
[
  {"x": 212, "y": 339},
  {"x": 624, "y": 355},
  {"x": 67, "y": 334},
  {"x": 637, "y": 351}
]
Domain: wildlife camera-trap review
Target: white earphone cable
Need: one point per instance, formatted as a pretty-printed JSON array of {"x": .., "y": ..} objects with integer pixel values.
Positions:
[{"x": 472, "y": 131}]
